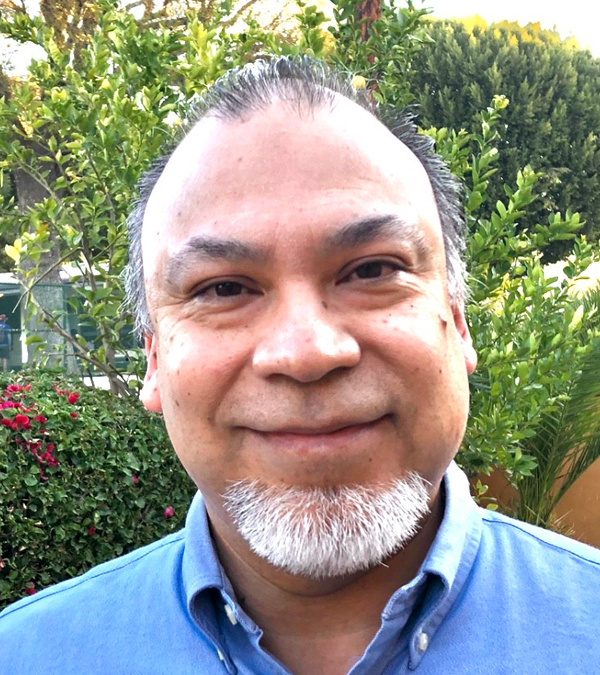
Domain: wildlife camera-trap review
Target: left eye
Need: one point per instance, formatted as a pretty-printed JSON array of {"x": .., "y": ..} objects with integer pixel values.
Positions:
[{"x": 373, "y": 269}]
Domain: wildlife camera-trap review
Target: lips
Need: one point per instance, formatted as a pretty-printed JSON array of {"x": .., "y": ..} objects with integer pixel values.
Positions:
[
  {"x": 318, "y": 430},
  {"x": 324, "y": 437}
]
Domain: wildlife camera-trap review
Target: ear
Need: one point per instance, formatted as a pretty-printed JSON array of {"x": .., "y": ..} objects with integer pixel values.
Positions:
[
  {"x": 462, "y": 329},
  {"x": 150, "y": 394}
]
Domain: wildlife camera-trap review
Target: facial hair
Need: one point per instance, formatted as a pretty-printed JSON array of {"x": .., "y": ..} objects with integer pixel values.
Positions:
[{"x": 324, "y": 532}]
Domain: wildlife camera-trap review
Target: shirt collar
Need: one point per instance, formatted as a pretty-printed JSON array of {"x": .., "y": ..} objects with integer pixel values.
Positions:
[{"x": 446, "y": 554}]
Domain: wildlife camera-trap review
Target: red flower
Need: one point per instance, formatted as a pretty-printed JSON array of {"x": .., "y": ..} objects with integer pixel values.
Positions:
[
  {"x": 30, "y": 588},
  {"x": 13, "y": 387},
  {"x": 134, "y": 479},
  {"x": 73, "y": 397},
  {"x": 50, "y": 447},
  {"x": 73, "y": 414},
  {"x": 27, "y": 387},
  {"x": 23, "y": 420},
  {"x": 169, "y": 512},
  {"x": 6, "y": 422},
  {"x": 91, "y": 531},
  {"x": 9, "y": 404},
  {"x": 41, "y": 419}
]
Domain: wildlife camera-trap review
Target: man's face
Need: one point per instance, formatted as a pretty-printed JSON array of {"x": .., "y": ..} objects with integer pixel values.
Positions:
[{"x": 296, "y": 281}]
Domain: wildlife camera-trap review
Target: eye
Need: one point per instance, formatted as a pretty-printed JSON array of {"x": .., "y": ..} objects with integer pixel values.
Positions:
[
  {"x": 372, "y": 269},
  {"x": 225, "y": 289}
]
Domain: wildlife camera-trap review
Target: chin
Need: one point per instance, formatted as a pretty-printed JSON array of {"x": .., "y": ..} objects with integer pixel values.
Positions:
[{"x": 324, "y": 532}]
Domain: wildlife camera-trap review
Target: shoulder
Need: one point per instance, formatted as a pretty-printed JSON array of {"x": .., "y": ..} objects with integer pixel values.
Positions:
[
  {"x": 553, "y": 543},
  {"x": 534, "y": 555},
  {"x": 100, "y": 584}
]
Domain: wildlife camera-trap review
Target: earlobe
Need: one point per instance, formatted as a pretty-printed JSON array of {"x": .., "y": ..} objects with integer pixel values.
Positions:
[
  {"x": 465, "y": 338},
  {"x": 150, "y": 393}
]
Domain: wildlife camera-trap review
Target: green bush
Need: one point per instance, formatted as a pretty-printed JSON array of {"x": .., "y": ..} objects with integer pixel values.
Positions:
[
  {"x": 84, "y": 476},
  {"x": 534, "y": 396}
]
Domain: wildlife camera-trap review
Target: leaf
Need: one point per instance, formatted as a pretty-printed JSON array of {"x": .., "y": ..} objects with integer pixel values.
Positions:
[{"x": 577, "y": 318}]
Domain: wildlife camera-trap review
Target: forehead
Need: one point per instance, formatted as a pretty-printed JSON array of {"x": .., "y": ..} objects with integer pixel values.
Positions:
[{"x": 282, "y": 170}]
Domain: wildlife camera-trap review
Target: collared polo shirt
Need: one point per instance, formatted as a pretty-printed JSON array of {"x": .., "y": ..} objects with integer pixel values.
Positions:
[{"x": 493, "y": 596}]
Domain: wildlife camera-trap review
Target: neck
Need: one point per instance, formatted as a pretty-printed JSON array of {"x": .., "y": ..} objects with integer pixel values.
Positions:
[{"x": 310, "y": 623}]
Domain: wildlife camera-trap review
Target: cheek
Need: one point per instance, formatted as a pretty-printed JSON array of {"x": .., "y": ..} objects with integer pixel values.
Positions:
[
  {"x": 423, "y": 349},
  {"x": 196, "y": 372}
]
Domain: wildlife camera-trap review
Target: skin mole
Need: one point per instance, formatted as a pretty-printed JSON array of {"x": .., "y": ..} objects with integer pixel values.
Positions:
[{"x": 324, "y": 304}]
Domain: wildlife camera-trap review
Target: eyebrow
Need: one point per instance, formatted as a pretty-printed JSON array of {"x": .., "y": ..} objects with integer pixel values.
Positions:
[
  {"x": 357, "y": 233},
  {"x": 202, "y": 248},
  {"x": 370, "y": 229}
]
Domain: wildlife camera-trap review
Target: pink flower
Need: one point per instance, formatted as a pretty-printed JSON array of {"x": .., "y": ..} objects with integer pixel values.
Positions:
[
  {"x": 169, "y": 512},
  {"x": 74, "y": 414},
  {"x": 91, "y": 531},
  {"x": 73, "y": 397},
  {"x": 13, "y": 387},
  {"x": 134, "y": 479},
  {"x": 8, "y": 404}
]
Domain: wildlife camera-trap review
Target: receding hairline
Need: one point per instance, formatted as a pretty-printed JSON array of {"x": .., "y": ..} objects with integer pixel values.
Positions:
[{"x": 306, "y": 111}]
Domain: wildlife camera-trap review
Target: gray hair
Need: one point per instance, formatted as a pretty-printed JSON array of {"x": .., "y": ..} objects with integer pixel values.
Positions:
[{"x": 305, "y": 84}]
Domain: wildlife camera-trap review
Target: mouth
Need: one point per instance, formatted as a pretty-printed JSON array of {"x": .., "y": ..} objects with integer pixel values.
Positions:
[{"x": 311, "y": 435}]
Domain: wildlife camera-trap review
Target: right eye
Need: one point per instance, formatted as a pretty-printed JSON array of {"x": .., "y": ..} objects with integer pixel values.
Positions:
[{"x": 226, "y": 288}]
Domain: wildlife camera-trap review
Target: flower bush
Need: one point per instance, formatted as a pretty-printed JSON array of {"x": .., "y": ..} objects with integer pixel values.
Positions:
[{"x": 84, "y": 476}]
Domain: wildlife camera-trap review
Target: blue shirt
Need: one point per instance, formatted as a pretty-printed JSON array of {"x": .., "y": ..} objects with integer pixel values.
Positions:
[{"x": 493, "y": 596}]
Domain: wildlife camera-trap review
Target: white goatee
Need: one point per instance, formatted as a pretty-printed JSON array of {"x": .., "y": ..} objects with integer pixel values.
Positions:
[{"x": 322, "y": 532}]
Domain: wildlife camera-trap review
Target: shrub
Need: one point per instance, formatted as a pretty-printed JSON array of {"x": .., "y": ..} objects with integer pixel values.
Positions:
[
  {"x": 84, "y": 476},
  {"x": 534, "y": 396}
]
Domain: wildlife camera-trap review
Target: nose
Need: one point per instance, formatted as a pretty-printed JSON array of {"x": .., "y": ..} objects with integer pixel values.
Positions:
[{"x": 305, "y": 341}]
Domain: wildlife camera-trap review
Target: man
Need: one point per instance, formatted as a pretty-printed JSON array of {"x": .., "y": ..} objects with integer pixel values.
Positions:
[
  {"x": 301, "y": 298},
  {"x": 5, "y": 342}
]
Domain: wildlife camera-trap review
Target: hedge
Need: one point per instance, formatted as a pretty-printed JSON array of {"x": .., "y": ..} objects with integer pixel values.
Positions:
[{"x": 84, "y": 477}]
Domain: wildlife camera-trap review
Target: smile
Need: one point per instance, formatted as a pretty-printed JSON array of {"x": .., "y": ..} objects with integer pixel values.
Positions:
[{"x": 315, "y": 437}]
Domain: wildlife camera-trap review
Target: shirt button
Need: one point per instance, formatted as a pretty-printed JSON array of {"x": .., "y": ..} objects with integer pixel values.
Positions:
[
  {"x": 230, "y": 614},
  {"x": 422, "y": 642}
]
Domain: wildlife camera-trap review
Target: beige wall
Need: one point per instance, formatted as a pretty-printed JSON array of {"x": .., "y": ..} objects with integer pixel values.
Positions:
[
  {"x": 580, "y": 507},
  {"x": 578, "y": 510}
]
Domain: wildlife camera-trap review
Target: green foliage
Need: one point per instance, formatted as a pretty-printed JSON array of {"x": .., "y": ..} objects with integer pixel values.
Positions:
[
  {"x": 382, "y": 51},
  {"x": 84, "y": 476},
  {"x": 84, "y": 136},
  {"x": 534, "y": 389},
  {"x": 552, "y": 122}
]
